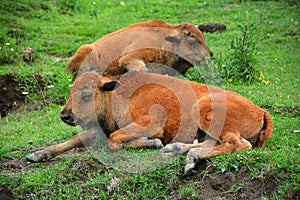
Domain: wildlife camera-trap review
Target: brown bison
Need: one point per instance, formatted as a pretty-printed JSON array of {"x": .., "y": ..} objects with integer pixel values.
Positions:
[
  {"x": 144, "y": 43},
  {"x": 141, "y": 109}
]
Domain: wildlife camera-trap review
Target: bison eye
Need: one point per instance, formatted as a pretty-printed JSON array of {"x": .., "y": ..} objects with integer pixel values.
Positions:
[
  {"x": 87, "y": 97},
  {"x": 189, "y": 34}
]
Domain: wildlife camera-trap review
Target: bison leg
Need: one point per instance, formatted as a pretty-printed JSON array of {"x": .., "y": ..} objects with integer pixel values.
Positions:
[
  {"x": 79, "y": 140},
  {"x": 135, "y": 136},
  {"x": 144, "y": 142},
  {"x": 229, "y": 143},
  {"x": 132, "y": 64},
  {"x": 179, "y": 148}
]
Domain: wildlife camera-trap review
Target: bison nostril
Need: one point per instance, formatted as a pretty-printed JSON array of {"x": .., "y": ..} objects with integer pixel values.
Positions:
[
  {"x": 211, "y": 55},
  {"x": 67, "y": 117}
]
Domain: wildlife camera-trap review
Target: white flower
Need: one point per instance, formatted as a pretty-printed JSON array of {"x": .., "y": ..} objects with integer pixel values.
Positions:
[
  {"x": 11, "y": 49},
  {"x": 50, "y": 86},
  {"x": 24, "y": 93},
  {"x": 70, "y": 86},
  {"x": 7, "y": 44},
  {"x": 122, "y": 3},
  {"x": 69, "y": 80},
  {"x": 94, "y": 3}
]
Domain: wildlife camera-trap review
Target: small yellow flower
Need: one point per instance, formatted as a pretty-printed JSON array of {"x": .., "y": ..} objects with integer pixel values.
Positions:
[{"x": 262, "y": 78}]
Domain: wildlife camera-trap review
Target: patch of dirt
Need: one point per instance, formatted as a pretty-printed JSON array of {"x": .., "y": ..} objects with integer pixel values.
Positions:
[
  {"x": 20, "y": 164},
  {"x": 82, "y": 167},
  {"x": 230, "y": 5},
  {"x": 12, "y": 96},
  {"x": 212, "y": 28},
  {"x": 207, "y": 181},
  {"x": 5, "y": 194},
  {"x": 291, "y": 110},
  {"x": 229, "y": 185}
]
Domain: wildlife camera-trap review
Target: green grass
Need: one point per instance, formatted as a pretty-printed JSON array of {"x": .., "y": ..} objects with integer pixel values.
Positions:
[{"x": 55, "y": 29}]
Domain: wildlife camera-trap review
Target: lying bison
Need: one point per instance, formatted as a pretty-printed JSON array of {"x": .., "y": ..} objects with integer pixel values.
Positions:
[
  {"x": 144, "y": 43},
  {"x": 141, "y": 109}
]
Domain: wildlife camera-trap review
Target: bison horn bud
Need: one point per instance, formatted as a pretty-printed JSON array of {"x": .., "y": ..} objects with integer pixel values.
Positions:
[{"x": 186, "y": 32}]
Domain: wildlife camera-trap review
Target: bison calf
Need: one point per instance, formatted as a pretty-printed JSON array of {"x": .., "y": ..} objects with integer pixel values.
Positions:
[
  {"x": 141, "y": 46},
  {"x": 140, "y": 109}
]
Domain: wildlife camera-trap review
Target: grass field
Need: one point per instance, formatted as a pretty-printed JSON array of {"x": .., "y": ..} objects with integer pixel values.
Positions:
[{"x": 55, "y": 29}]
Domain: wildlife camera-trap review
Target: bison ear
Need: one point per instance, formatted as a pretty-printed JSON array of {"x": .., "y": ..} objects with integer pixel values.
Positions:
[
  {"x": 109, "y": 86},
  {"x": 172, "y": 39}
]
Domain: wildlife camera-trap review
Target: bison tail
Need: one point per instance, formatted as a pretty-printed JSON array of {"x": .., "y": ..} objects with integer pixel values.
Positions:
[
  {"x": 80, "y": 55},
  {"x": 266, "y": 131}
]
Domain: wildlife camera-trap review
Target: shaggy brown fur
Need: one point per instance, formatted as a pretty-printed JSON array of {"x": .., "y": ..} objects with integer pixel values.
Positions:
[
  {"x": 150, "y": 42},
  {"x": 150, "y": 110}
]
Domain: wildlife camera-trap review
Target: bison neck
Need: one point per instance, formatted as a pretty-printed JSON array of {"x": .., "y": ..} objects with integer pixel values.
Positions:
[
  {"x": 181, "y": 65},
  {"x": 106, "y": 128},
  {"x": 105, "y": 116}
]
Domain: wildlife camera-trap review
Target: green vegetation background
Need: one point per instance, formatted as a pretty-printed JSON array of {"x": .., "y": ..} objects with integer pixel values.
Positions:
[{"x": 55, "y": 29}]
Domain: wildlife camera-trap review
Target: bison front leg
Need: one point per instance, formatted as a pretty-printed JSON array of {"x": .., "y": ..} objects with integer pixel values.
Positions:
[
  {"x": 136, "y": 136},
  {"x": 79, "y": 140}
]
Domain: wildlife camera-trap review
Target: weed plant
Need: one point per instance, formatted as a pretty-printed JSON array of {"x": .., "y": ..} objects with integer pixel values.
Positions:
[{"x": 238, "y": 63}]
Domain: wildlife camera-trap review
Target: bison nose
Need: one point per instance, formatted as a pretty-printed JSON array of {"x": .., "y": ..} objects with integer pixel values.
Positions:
[
  {"x": 211, "y": 55},
  {"x": 67, "y": 117}
]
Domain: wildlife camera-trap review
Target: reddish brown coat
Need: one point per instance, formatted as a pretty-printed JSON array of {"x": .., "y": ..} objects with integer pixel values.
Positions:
[
  {"x": 150, "y": 42},
  {"x": 150, "y": 110}
]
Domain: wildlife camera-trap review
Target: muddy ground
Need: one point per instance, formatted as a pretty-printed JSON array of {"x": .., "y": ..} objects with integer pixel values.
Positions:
[
  {"x": 13, "y": 95},
  {"x": 212, "y": 185}
]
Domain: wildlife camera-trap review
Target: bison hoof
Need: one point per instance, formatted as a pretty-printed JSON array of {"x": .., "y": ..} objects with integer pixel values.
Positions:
[
  {"x": 39, "y": 156},
  {"x": 188, "y": 167},
  {"x": 158, "y": 143},
  {"x": 31, "y": 158},
  {"x": 190, "y": 161},
  {"x": 174, "y": 149}
]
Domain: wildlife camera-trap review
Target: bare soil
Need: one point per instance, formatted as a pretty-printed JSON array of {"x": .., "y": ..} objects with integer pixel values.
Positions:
[
  {"x": 211, "y": 185},
  {"x": 230, "y": 185},
  {"x": 12, "y": 96}
]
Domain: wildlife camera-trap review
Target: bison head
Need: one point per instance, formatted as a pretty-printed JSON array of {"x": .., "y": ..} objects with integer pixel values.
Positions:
[
  {"x": 189, "y": 47},
  {"x": 88, "y": 100}
]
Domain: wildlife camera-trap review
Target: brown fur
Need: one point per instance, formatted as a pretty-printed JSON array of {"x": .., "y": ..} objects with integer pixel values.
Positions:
[
  {"x": 111, "y": 54},
  {"x": 145, "y": 109}
]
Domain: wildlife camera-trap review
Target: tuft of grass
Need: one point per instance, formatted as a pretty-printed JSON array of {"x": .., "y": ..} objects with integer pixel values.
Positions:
[
  {"x": 187, "y": 192},
  {"x": 238, "y": 64},
  {"x": 207, "y": 73}
]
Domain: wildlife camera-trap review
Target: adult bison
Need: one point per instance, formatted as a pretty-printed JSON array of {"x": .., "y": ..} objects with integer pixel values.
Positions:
[
  {"x": 155, "y": 44},
  {"x": 141, "y": 109}
]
